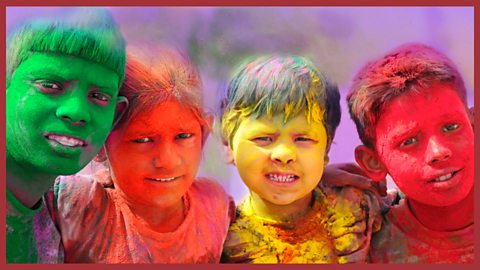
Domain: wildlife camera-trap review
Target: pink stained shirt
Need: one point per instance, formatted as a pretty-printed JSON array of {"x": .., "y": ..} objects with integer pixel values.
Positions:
[{"x": 97, "y": 226}]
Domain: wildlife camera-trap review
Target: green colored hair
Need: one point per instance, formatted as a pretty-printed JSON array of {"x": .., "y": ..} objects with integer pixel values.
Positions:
[
  {"x": 88, "y": 33},
  {"x": 270, "y": 85}
]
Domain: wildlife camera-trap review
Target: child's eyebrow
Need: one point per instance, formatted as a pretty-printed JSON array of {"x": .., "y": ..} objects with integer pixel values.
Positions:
[
  {"x": 262, "y": 129},
  {"x": 456, "y": 115},
  {"x": 44, "y": 74},
  {"x": 61, "y": 76},
  {"x": 402, "y": 129}
]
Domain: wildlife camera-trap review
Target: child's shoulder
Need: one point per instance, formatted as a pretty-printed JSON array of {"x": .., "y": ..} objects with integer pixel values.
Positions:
[
  {"x": 208, "y": 189},
  {"x": 79, "y": 189},
  {"x": 204, "y": 184},
  {"x": 213, "y": 199}
]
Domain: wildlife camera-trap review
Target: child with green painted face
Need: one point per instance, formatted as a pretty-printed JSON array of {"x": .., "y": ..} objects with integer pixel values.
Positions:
[{"x": 62, "y": 88}]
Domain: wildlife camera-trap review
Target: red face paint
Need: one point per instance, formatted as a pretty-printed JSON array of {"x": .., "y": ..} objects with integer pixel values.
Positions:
[
  {"x": 155, "y": 157},
  {"x": 426, "y": 143}
]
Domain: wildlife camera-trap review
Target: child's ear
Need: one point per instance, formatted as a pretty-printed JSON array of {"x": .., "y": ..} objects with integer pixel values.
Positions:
[
  {"x": 229, "y": 155},
  {"x": 370, "y": 163},
  {"x": 227, "y": 152},
  {"x": 206, "y": 128},
  {"x": 471, "y": 114},
  {"x": 120, "y": 109}
]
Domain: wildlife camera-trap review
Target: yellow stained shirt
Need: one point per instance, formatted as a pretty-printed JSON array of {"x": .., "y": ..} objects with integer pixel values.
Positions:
[{"x": 337, "y": 229}]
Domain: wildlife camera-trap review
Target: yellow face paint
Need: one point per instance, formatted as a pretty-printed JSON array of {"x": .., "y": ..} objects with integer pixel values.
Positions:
[{"x": 281, "y": 163}]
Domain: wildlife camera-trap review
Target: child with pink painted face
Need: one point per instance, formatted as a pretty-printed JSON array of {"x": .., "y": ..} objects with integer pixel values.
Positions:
[
  {"x": 158, "y": 210},
  {"x": 412, "y": 117}
]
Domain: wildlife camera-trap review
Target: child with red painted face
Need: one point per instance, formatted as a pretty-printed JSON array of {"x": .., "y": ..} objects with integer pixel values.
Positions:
[
  {"x": 412, "y": 117},
  {"x": 62, "y": 83},
  {"x": 278, "y": 121},
  {"x": 158, "y": 210}
]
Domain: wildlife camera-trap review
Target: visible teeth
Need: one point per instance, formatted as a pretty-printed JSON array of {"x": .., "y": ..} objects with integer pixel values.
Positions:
[
  {"x": 281, "y": 178},
  {"x": 163, "y": 179},
  {"x": 66, "y": 141},
  {"x": 444, "y": 177}
]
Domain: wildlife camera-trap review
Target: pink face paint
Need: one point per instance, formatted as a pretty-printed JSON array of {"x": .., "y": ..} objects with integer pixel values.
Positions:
[{"x": 426, "y": 142}]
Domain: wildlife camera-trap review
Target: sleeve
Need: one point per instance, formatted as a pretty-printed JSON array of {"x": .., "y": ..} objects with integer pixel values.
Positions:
[
  {"x": 354, "y": 216},
  {"x": 20, "y": 238},
  {"x": 222, "y": 202},
  {"x": 80, "y": 205},
  {"x": 217, "y": 210}
]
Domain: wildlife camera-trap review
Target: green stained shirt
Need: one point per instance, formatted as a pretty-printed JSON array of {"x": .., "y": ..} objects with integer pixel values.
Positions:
[{"x": 31, "y": 235}]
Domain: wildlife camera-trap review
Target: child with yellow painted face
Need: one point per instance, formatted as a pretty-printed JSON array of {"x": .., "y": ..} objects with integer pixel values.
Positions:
[
  {"x": 279, "y": 120},
  {"x": 62, "y": 88}
]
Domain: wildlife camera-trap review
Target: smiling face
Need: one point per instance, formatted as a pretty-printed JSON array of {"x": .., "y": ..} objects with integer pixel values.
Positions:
[
  {"x": 426, "y": 143},
  {"x": 155, "y": 157},
  {"x": 280, "y": 163},
  {"x": 59, "y": 112}
]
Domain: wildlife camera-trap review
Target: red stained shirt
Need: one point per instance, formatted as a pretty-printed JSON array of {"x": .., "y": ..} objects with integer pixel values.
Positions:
[{"x": 403, "y": 239}]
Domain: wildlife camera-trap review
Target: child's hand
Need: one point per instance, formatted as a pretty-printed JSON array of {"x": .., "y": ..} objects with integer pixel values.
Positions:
[{"x": 349, "y": 174}]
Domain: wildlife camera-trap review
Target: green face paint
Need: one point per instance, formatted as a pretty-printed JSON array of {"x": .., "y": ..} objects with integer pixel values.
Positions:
[{"x": 59, "y": 112}]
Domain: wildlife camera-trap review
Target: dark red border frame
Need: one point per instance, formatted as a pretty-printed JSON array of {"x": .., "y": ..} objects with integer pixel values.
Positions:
[{"x": 6, "y": 3}]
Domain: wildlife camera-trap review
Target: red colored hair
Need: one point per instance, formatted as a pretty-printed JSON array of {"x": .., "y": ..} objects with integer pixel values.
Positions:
[{"x": 409, "y": 68}]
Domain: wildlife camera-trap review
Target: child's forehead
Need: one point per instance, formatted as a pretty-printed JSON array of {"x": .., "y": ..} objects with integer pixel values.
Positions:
[
  {"x": 66, "y": 67},
  {"x": 423, "y": 110},
  {"x": 298, "y": 122},
  {"x": 166, "y": 116}
]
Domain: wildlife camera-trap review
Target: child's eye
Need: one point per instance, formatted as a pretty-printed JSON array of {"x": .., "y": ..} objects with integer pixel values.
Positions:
[
  {"x": 99, "y": 98},
  {"x": 409, "y": 141},
  {"x": 450, "y": 127},
  {"x": 142, "y": 140},
  {"x": 263, "y": 139},
  {"x": 183, "y": 136},
  {"x": 48, "y": 87},
  {"x": 303, "y": 139}
]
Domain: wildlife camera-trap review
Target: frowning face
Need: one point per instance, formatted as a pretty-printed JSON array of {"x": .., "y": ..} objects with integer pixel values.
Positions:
[
  {"x": 155, "y": 157},
  {"x": 426, "y": 143},
  {"x": 280, "y": 162}
]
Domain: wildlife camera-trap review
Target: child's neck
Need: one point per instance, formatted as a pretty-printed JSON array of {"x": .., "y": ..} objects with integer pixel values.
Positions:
[
  {"x": 447, "y": 218},
  {"x": 26, "y": 184},
  {"x": 160, "y": 219},
  {"x": 289, "y": 212}
]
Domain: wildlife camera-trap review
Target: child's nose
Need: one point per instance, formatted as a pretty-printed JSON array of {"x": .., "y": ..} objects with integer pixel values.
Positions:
[
  {"x": 436, "y": 151},
  {"x": 283, "y": 154},
  {"x": 74, "y": 111},
  {"x": 165, "y": 157}
]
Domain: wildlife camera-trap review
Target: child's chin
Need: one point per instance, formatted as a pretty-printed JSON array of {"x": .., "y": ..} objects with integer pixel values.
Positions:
[{"x": 444, "y": 199}]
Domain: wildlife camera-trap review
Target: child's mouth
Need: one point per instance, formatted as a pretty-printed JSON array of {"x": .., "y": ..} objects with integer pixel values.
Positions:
[
  {"x": 165, "y": 179},
  {"x": 282, "y": 178},
  {"x": 444, "y": 177},
  {"x": 66, "y": 141}
]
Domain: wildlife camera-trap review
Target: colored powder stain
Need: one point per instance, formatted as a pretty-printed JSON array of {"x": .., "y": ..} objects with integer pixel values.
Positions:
[{"x": 334, "y": 229}]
